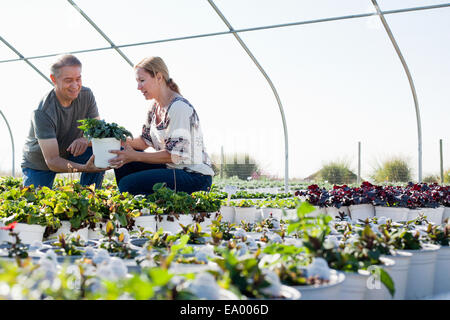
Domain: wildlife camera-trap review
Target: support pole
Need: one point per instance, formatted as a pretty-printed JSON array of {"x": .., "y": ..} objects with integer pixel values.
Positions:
[
  {"x": 442, "y": 161},
  {"x": 222, "y": 162},
  {"x": 101, "y": 32},
  {"x": 21, "y": 57},
  {"x": 280, "y": 106},
  {"x": 411, "y": 84},
  {"x": 359, "y": 163},
  {"x": 13, "y": 170}
]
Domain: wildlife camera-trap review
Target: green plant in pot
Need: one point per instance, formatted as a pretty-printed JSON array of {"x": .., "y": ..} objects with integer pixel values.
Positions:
[{"x": 104, "y": 136}]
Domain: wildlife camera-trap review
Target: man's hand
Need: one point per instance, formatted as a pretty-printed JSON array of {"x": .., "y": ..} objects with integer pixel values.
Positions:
[
  {"x": 90, "y": 166},
  {"x": 78, "y": 146}
]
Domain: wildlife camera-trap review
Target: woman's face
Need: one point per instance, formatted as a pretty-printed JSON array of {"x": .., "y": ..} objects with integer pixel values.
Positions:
[{"x": 147, "y": 84}]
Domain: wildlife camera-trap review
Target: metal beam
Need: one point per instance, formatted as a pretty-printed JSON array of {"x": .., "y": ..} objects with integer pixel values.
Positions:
[
  {"x": 280, "y": 106},
  {"x": 363, "y": 15},
  {"x": 25, "y": 59},
  {"x": 411, "y": 84},
  {"x": 101, "y": 32},
  {"x": 12, "y": 144}
]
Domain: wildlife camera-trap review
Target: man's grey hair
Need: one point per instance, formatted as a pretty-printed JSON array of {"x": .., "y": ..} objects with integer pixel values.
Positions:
[{"x": 64, "y": 61}]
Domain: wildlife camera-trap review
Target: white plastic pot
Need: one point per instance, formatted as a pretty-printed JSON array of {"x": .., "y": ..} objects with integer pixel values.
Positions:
[
  {"x": 173, "y": 226},
  {"x": 334, "y": 212},
  {"x": 433, "y": 215},
  {"x": 100, "y": 149},
  {"x": 399, "y": 272},
  {"x": 276, "y": 213},
  {"x": 397, "y": 214},
  {"x": 28, "y": 233},
  {"x": 375, "y": 289},
  {"x": 329, "y": 291},
  {"x": 228, "y": 214},
  {"x": 247, "y": 214},
  {"x": 65, "y": 228},
  {"x": 354, "y": 285},
  {"x": 421, "y": 272},
  {"x": 441, "y": 272},
  {"x": 446, "y": 214},
  {"x": 319, "y": 210},
  {"x": 290, "y": 214},
  {"x": 146, "y": 222},
  {"x": 361, "y": 211},
  {"x": 94, "y": 234}
]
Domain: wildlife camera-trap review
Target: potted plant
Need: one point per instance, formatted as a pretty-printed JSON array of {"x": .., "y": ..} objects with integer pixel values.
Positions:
[
  {"x": 440, "y": 235},
  {"x": 339, "y": 201},
  {"x": 104, "y": 136},
  {"x": 246, "y": 211},
  {"x": 21, "y": 205},
  {"x": 361, "y": 206}
]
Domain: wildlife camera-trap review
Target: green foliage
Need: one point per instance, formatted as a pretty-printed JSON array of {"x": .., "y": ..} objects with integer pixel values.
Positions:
[
  {"x": 395, "y": 169},
  {"x": 241, "y": 166},
  {"x": 94, "y": 128},
  {"x": 337, "y": 172}
]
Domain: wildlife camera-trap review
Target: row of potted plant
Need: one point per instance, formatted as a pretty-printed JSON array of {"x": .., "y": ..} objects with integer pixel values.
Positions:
[
  {"x": 72, "y": 207},
  {"x": 261, "y": 260},
  {"x": 410, "y": 196}
]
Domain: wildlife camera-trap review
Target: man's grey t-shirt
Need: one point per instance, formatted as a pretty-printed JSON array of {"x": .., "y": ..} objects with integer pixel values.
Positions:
[{"x": 52, "y": 120}]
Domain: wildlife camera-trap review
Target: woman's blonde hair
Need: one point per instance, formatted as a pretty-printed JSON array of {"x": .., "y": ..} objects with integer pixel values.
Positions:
[{"x": 153, "y": 65}]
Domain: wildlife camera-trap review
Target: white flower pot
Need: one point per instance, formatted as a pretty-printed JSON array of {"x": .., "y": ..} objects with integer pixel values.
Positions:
[
  {"x": 100, "y": 149},
  {"x": 441, "y": 272},
  {"x": 354, "y": 285},
  {"x": 173, "y": 226},
  {"x": 319, "y": 210},
  {"x": 329, "y": 291},
  {"x": 375, "y": 289},
  {"x": 446, "y": 214},
  {"x": 276, "y": 213},
  {"x": 289, "y": 214},
  {"x": 433, "y": 215},
  {"x": 397, "y": 214},
  {"x": 65, "y": 228},
  {"x": 399, "y": 273},
  {"x": 421, "y": 272},
  {"x": 247, "y": 214},
  {"x": 96, "y": 233},
  {"x": 228, "y": 214},
  {"x": 206, "y": 223},
  {"x": 146, "y": 222},
  {"x": 361, "y": 211},
  {"x": 334, "y": 212},
  {"x": 28, "y": 233}
]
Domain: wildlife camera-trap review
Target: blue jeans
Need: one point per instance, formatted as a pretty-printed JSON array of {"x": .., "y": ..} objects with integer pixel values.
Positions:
[
  {"x": 45, "y": 178},
  {"x": 139, "y": 178}
]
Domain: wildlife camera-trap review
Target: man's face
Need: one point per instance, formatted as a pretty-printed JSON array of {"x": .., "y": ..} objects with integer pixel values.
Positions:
[{"x": 68, "y": 82}]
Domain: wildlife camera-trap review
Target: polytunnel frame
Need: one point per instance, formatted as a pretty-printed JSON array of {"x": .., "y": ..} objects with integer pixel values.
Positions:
[{"x": 378, "y": 12}]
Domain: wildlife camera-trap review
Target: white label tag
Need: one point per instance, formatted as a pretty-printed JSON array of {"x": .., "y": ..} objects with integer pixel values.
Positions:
[{"x": 230, "y": 189}]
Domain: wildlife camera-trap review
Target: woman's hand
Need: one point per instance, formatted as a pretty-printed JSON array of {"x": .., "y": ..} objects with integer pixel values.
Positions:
[{"x": 128, "y": 154}]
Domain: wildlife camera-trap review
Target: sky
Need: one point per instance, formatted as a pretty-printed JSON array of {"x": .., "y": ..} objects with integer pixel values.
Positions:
[{"x": 339, "y": 82}]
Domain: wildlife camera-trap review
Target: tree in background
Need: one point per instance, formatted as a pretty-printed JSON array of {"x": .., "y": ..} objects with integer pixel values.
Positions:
[
  {"x": 395, "y": 169},
  {"x": 432, "y": 178},
  {"x": 239, "y": 165},
  {"x": 337, "y": 172}
]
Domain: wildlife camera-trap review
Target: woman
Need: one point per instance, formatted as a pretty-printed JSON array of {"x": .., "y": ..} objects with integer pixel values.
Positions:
[{"x": 173, "y": 130}]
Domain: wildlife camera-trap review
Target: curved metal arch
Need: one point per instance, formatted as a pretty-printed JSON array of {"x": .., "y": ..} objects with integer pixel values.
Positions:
[
  {"x": 21, "y": 57},
  {"x": 280, "y": 106},
  {"x": 411, "y": 84},
  {"x": 12, "y": 143},
  {"x": 113, "y": 46}
]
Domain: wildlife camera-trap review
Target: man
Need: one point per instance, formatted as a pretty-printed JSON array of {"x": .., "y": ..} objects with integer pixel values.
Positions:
[{"x": 54, "y": 143}]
